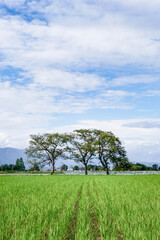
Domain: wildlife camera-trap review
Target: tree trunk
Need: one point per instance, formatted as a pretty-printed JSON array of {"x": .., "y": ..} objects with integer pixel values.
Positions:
[
  {"x": 86, "y": 172},
  {"x": 52, "y": 169},
  {"x": 107, "y": 171}
]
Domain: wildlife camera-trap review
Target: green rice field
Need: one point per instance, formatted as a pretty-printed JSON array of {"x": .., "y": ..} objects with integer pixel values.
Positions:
[{"x": 80, "y": 207}]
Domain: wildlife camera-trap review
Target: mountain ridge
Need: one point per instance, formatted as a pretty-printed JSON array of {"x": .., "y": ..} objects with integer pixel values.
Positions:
[{"x": 9, "y": 155}]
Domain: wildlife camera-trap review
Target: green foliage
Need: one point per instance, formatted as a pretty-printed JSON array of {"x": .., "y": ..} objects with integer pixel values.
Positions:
[
  {"x": 34, "y": 167},
  {"x": 109, "y": 150},
  {"x": 6, "y": 167},
  {"x": 75, "y": 168},
  {"x": 92, "y": 167},
  {"x": 19, "y": 166},
  {"x": 95, "y": 167},
  {"x": 46, "y": 148},
  {"x": 138, "y": 167},
  {"x": 82, "y": 146},
  {"x": 155, "y": 167},
  {"x": 64, "y": 167},
  {"x": 142, "y": 167}
]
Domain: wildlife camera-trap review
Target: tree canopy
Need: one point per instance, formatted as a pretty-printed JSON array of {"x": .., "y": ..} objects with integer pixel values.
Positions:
[
  {"x": 19, "y": 166},
  {"x": 109, "y": 149},
  {"x": 47, "y": 148},
  {"x": 82, "y": 146}
]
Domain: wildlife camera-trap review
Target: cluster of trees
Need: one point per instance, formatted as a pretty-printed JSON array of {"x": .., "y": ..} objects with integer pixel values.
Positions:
[
  {"x": 143, "y": 167},
  {"x": 90, "y": 167},
  {"x": 19, "y": 166},
  {"x": 82, "y": 146},
  {"x": 129, "y": 166}
]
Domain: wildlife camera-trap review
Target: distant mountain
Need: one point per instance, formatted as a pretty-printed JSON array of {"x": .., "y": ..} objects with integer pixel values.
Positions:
[{"x": 9, "y": 155}]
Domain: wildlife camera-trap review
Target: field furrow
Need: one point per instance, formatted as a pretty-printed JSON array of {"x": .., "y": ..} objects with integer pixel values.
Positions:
[
  {"x": 94, "y": 224},
  {"x": 71, "y": 228}
]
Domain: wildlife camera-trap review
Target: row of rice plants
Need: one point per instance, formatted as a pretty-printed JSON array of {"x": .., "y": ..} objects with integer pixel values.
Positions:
[
  {"x": 87, "y": 222},
  {"x": 128, "y": 207},
  {"x": 83, "y": 221}
]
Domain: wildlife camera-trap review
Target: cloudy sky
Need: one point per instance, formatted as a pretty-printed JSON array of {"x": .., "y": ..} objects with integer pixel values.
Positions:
[{"x": 81, "y": 64}]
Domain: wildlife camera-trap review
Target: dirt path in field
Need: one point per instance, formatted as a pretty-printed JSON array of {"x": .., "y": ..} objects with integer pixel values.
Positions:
[
  {"x": 94, "y": 225},
  {"x": 119, "y": 234},
  {"x": 71, "y": 229}
]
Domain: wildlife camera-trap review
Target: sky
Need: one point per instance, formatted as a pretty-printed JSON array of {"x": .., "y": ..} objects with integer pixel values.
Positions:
[{"x": 73, "y": 64}]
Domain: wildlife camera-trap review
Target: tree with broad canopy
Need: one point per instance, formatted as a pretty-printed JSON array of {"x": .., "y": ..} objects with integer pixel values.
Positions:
[
  {"x": 109, "y": 149},
  {"x": 82, "y": 146},
  {"x": 47, "y": 148}
]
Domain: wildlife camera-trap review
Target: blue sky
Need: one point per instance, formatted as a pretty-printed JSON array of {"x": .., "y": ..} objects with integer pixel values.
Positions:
[{"x": 81, "y": 64}]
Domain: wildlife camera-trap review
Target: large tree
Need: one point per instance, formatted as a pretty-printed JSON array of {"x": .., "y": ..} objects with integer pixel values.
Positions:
[
  {"x": 109, "y": 150},
  {"x": 46, "y": 148},
  {"x": 82, "y": 146}
]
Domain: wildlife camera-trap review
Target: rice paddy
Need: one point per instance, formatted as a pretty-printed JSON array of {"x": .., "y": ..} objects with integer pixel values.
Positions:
[{"x": 80, "y": 207}]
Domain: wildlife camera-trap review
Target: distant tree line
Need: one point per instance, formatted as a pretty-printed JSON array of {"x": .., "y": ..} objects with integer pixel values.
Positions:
[
  {"x": 143, "y": 167},
  {"x": 129, "y": 167},
  {"x": 90, "y": 167},
  {"x": 18, "y": 166},
  {"x": 82, "y": 146}
]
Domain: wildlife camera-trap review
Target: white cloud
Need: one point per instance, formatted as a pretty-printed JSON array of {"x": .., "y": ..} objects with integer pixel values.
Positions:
[
  {"x": 24, "y": 99},
  {"x": 12, "y": 4},
  {"x": 117, "y": 93},
  {"x": 141, "y": 4},
  {"x": 4, "y": 140},
  {"x": 144, "y": 124},
  {"x": 134, "y": 79},
  {"x": 33, "y": 45},
  {"x": 36, "y": 99},
  {"x": 77, "y": 82},
  {"x": 92, "y": 9}
]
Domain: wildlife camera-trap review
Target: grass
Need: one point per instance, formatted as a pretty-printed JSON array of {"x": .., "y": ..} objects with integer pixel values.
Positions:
[{"x": 80, "y": 207}]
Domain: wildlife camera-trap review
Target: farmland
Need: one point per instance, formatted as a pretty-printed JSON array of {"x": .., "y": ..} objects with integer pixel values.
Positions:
[{"x": 80, "y": 207}]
